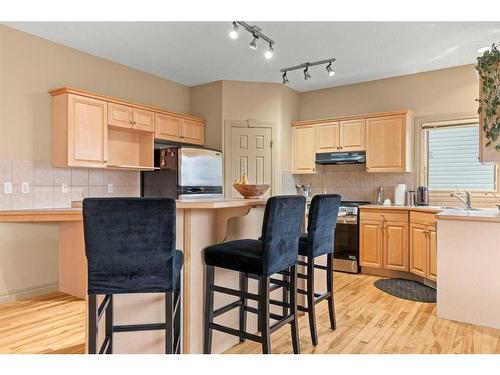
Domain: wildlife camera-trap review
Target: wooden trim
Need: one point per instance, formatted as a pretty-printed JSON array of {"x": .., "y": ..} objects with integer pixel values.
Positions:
[
  {"x": 34, "y": 216},
  {"x": 353, "y": 117},
  {"x": 186, "y": 287},
  {"x": 89, "y": 94}
]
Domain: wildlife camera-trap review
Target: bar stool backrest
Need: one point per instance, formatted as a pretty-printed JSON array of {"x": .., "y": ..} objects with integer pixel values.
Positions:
[
  {"x": 281, "y": 230},
  {"x": 322, "y": 221},
  {"x": 129, "y": 244}
]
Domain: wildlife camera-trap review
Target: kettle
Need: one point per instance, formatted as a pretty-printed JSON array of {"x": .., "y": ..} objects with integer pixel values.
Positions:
[
  {"x": 422, "y": 196},
  {"x": 304, "y": 190}
]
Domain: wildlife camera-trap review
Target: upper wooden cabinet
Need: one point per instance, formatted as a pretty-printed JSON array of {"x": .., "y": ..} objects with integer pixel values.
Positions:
[
  {"x": 303, "y": 147},
  {"x": 327, "y": 137},
  {"x": 352, "y": 135},
  {"x": 91, "y": 130},
  {"x": 79, "y": 131},
  {"x": 389, "y": 143}
]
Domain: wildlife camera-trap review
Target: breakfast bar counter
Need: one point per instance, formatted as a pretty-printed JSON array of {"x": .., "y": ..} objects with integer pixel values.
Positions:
[{"x": 200, "y": 223}]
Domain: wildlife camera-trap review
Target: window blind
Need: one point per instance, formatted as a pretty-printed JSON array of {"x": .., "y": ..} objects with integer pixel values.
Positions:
[{"x": 453, "y": 160}]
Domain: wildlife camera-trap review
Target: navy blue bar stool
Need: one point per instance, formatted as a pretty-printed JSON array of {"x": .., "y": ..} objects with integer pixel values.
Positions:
[
  {"x": 130, "y": 248},
  {"x": 318, "y": 241},
  {"x": 276, "y": 251}
]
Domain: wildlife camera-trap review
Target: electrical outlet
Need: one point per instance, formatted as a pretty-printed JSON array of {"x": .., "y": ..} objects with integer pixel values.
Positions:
[
  {"x": 7, "y": 187},
  {"x": 64, "y": 188},
  {"x": 110, "y": 188},
  {"x": 25, "y": 187}
]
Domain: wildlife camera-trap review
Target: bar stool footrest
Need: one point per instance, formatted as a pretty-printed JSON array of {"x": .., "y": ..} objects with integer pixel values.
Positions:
[{"x": 139, "y": 327}]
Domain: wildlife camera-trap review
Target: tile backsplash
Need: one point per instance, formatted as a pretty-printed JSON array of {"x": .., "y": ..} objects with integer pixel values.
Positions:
[
  {"x": 50, "y": 187},
  {"x": 352, "y": 181}
]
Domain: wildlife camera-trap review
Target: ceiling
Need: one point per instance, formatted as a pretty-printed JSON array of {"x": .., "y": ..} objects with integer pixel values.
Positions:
[{"x": 194, "y": 53}]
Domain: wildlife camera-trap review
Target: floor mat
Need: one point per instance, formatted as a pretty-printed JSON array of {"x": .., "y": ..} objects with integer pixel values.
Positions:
[{"x": 407, "y": 289}]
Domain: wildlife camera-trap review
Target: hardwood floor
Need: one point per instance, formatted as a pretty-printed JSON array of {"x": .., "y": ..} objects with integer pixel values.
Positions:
[
  {"x": 53, "y": 323},
  {"x": 368, "y": 320}
]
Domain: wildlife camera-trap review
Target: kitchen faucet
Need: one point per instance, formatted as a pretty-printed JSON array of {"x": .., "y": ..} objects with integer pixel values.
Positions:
[{"x": 467, "y": 201}]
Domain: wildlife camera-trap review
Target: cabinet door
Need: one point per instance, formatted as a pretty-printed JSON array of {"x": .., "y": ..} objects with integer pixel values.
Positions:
[
  {"x": 418, "y": 249},
  {"x": 168, "y": 128},
  {"x": 386, "y": 144},
  {"x": 193, "y": 132},
  {"x": 352, "y": 135},
  {"x": 120, "y": 115},
  {"x": 371, "y": 241},
  {"x": 303, "y": 155},
  {"x": 327, "y": 137},
  {"x": 395, "y": 253},
  {"x": 432, "y": 254},
  {"x": 87, "y": 132},
  {"x": 143, "y": 120}
]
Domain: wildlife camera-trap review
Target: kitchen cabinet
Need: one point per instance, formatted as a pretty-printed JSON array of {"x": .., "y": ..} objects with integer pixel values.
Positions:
[
  {"x": 389, "y": 143},
  {"x": 418, "y": 249},
  {"x": 352, "y": 135},
  {"x": 327, "y": 137},
  {"x": 423, "y": 256},
  {"x": 384, "y": 240},
  {"x": 432, "y": 255},
  {"x": 193, "y": 132},
  {"x": 79, "y": 131},
  {"x": 130, "y": 118},
  {"x": 177, "y": 129},
  {"x": 303, "y": 147}
]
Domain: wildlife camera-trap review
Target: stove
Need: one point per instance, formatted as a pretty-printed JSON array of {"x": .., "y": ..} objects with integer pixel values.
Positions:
[{"x": 346, "y": 243}]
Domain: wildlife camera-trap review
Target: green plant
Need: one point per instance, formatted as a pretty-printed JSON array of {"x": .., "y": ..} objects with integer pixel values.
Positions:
[{"x": 488, "y": 66}]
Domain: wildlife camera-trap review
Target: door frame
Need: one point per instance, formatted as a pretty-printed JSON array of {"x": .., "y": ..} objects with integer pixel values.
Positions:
[{"x": 227, "y": 148}]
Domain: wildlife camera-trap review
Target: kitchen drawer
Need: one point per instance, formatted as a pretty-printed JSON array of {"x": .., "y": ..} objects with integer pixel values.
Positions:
[
  {"x": 384, "y": 215},
  {"x": 425, "y": 218}
]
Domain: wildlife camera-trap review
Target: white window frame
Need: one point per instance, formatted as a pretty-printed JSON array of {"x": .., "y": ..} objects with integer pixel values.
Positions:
[{"x": 479, "y": 196}]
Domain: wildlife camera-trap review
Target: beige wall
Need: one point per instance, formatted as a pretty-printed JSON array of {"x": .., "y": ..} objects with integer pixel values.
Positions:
[
  {"x": 29, "y": 67},
  {"x": 206, "y": 101},
  {"x": 446, "y": 91}
]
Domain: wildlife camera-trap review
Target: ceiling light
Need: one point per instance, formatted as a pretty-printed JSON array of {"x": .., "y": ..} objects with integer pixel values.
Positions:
[
  {"x": 330, "y": 70},
  {"x": 306, "y": 73},
  {"x": 483, "y": 49},
  {"x": 253, "y": 43},
  {"x": 285, "y": 78},
  {"x": 269, "y": 53},
  {"x": 233, "y": 34}
]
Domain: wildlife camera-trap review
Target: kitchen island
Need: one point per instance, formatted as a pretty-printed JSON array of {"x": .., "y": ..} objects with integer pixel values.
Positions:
[
  {"x": 468, "y": 253},
  {"x": 200, "y": 223}
]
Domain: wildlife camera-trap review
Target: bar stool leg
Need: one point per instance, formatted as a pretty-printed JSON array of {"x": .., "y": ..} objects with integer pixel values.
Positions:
[
  {"x": 285, "y": 292},
  {"x": 109, "y": 324},
  {"x": 209, "y": 309},
  {"x": 243, "y": 312},
  {"x": 264, "y": 315},
  {"x": 294, "y": 324},
  {"x": 92, "y": 340},
  {"x": 169, "y": 323},
  {"x": 177, "y": 322},
  {"x": 310, "y": 300},
  {"x": 329, "y": 288}
]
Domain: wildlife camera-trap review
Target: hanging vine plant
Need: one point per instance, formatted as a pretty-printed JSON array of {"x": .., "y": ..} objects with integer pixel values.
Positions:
[{"x": 488, "y": 66}]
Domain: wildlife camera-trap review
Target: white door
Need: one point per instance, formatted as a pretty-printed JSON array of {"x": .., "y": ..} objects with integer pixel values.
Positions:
[{"x": 251, "y": 153}]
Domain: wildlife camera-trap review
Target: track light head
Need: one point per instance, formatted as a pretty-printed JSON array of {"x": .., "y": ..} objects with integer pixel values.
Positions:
[
  {"x": 253, "y": 43},
  {"x": 285, "y": 78},
  {"x": 269, "y": 53},
  {"x": 330, "y": 70},
  {"x": 233, "y": 34},
  {"x": 306, "y": 73}
]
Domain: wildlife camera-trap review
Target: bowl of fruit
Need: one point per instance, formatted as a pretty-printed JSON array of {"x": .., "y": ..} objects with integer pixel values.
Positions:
[{"x": 250, "y": 191}]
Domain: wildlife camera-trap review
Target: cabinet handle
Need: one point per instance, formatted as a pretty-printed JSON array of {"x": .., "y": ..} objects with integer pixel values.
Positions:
[{"x": 340, "y": 147}]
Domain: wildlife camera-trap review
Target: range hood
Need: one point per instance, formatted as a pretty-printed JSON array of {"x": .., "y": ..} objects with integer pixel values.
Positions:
[{"x": 341, "y": 157}]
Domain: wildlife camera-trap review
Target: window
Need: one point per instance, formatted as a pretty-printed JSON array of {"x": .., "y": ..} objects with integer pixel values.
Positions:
[{"x": 452, "y": 157}]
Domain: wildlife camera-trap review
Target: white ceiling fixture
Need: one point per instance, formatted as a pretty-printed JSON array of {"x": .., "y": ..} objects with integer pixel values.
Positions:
[
  {"x": 365, "y": 50},
  {"x": 256, "y": 33}
]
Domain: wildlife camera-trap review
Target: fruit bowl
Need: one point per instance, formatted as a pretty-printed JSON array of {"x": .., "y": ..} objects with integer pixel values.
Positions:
[{"x": 251, "y": 191}]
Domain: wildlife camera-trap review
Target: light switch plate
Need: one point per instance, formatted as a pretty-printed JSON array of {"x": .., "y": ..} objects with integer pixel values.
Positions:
[
  {"x": 7, "y": 187},
  {"x": 25, "y": 187},
  {"x": 64, "y": 188},
  {"x": 110, "y": 188}
]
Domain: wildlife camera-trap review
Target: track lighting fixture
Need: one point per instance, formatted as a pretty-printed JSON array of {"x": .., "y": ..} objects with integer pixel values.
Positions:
[
  {"x": 285, "y": 78},
  {"x": 306, "y": 66},
  {"x": 233, "y": 34},
  {"x": 269, "y": 53},
  {"x": 306, "y": 73},
  {"x": 330, "y": 70},
  {"x": 257, "y": 35},
  {"x": 253, "y": 43}
]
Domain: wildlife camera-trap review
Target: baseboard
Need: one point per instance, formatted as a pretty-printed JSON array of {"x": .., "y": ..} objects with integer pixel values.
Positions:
[{"x": 28, "y": 293}]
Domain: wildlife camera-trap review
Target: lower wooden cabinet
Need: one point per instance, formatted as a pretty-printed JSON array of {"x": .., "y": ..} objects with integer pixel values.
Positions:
[{"x": 399, "y": 240}]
